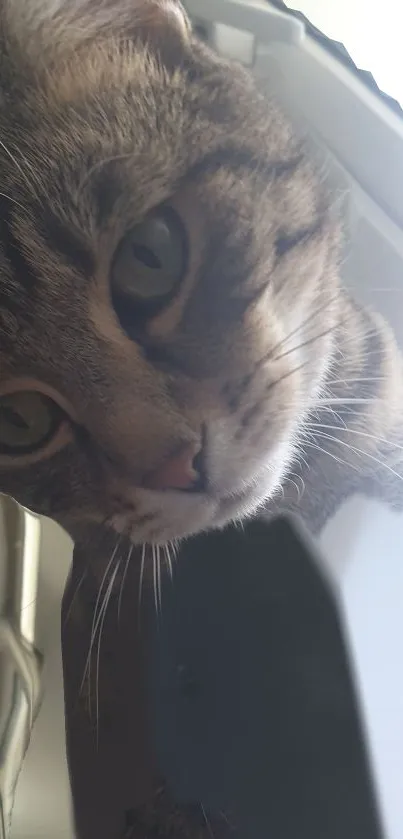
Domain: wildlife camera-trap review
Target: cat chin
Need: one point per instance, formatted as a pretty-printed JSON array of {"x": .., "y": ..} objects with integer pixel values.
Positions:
[
  {"x": 171, "y": 516},
  {"x": 246, "y": 504},
  {"x": 160, "y": 517}
]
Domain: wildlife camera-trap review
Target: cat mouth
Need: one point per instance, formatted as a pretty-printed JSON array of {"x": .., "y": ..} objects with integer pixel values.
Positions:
[
  {"x": 175, "y": 515},
  {"x": 220, "y": 493},
  {"x": 226, "y": 502}
]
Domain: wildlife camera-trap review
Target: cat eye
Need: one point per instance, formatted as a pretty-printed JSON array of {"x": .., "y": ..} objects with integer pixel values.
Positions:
[
  {"x": 149, "y": 264},
  {"x": 28, "y": 421}
]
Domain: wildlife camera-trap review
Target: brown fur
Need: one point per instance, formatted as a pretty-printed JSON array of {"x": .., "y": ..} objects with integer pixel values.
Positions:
[
  {"x": 103, "y": 119},
  {"x": 109, "y": 109}
]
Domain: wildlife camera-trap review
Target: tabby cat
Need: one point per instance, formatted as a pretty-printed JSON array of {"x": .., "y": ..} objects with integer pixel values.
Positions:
[
  {"x": 174, "y": 342},
  {"x": 175, "y": 348}
]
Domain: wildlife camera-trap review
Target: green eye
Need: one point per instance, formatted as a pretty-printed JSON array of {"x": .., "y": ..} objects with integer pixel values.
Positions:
[
  {"x": 28, "y": 421},
  {"x": 149, "y": 263}
]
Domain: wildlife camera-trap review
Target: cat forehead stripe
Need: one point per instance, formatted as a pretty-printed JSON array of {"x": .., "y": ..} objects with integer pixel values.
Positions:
[
  {"x": 237, "y": 158},
  {"x": 25, "y": 277}
]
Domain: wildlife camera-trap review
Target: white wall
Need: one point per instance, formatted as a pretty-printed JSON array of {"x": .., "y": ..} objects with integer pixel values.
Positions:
[
  {"x": 42, "y": 805},
  {"x": 371, "y": 32}
]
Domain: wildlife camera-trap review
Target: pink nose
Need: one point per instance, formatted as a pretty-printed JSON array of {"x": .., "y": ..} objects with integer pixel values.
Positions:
[{"x": 177, "y": 472}]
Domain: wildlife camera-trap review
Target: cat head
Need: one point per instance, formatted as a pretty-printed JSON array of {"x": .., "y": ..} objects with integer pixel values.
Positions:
[{"x": 168, "y": 276}]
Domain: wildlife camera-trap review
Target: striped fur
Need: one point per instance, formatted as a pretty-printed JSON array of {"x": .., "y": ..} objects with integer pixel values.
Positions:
[{"x": 108, "y": 110}]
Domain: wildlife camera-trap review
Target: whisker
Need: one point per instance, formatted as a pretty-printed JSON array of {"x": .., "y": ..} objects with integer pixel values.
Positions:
[
  {"x": 379, "y": 352},
  {"x": 126, "y": 568},
  {"x": 299, "y": 458},
  {"x": 274, "y": 355},
  {"x": 73, "y": 599},
  {"x": 141, "y": 579},
  {"x": 355, "y": 431},
  {"x": 19, "y": 167},
  {"x": 27, "y": 605},
  {"x": 271, "y": 354},
  {"x": 104, "y": 610},
  {"x": 338, "y": 400},
  {"x": 373, "y": 330},
  {"x": 376, "y": 290},
  {"x": 226, "y": 819},
  {"x": 361, "y": 452},
  {"x": 13, "y": 201},
  {"x": 168, "y": 560},
  {"x": 334, "y": 457},
  {"x": 334, "y": 413},
  {"x": 310, "y": 317},
  {"x": 155, "y": 578},
  {"x": 354, "y": 381},
  {"x": 159, "y": 578},
  {"x": 367, "y": 335},
  {"x": 306, "y": 343},
  {"x": 105, "y": 576},
  {"x": 208, "y": 825},
  {"x": 302, "y": 485},
  {"x": 175, "y": 548},
  {"x": 288, "y": 374},
  {"x": 96, "y": 618},
  {"x": 291, "y": 480}
]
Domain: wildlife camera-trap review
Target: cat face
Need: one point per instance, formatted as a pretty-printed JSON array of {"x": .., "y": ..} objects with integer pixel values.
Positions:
[{"x": 167, "y": 274}]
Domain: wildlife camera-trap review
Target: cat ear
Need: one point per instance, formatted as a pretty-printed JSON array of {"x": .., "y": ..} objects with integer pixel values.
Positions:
[
  {"x": 55, "y": 27},
  {"x": 161, "y": 23},
  {"x": 157, "y": 18},
  {"x": 153, "y": 20}
]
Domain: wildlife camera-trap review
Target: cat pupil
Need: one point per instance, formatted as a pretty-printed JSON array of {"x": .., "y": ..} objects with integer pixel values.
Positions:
[
  {"x": 27, "y": 421},
  {"x": 148, "y": 265},
  {"x": 145, "y": 255},
  {"x": 14, "y": 418}
]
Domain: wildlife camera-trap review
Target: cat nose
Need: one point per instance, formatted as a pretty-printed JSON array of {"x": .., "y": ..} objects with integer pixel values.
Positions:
[{"x": 182, "y": 471}]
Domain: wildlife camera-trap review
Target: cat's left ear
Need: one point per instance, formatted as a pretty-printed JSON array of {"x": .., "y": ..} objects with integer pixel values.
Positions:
[
  {"x": 161, "y": 23},
  {"x": 47, "y": 28},
  {"x": 155, "y": 17},
  {"x": 155, "y": 21}
]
